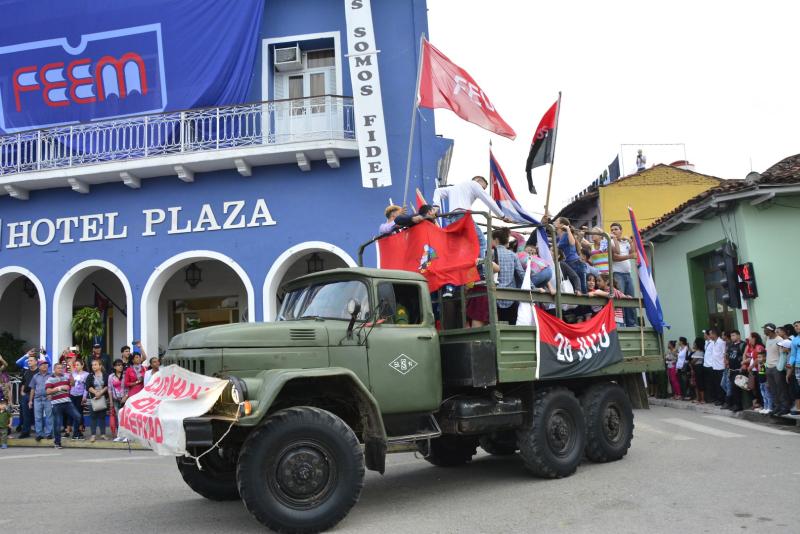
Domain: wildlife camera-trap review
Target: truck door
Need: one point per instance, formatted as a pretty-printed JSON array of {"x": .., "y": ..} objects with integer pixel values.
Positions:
[{"x": 403, "y": 350}]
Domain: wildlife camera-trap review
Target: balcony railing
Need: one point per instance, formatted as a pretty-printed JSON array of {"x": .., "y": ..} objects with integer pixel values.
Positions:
[{"x": 270, "y": 123}]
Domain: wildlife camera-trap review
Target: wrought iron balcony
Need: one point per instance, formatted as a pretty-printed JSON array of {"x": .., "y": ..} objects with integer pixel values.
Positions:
[{"x": 205, "y": 130}]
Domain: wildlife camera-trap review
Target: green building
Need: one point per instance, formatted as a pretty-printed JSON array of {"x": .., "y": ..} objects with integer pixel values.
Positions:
[{"x": 761, "y": 216}]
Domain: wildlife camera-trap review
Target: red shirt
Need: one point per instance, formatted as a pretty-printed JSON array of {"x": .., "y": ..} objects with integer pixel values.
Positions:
[{"x": 131, "y": 377}]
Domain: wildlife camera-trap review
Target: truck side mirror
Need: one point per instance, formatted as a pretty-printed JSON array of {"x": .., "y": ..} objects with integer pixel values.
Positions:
[{"x": 353, "y": 308}]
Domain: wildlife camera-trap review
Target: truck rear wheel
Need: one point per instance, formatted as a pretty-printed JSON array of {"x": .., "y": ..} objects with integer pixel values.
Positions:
[
  {"x": 553, "y": 446},
  {"x": 302, "y": 471},
  {"x": 216, "y": 481},
  {"x": 449, "y": 451},
  {"x": 609, "y": 422}
]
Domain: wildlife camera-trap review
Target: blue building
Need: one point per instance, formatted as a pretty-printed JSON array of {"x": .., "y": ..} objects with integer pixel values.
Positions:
[{"x": 176, "y": 167}]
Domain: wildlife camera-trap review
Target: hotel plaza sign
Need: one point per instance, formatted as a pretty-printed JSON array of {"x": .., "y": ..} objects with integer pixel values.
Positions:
[{"x": 229, "y": 215}]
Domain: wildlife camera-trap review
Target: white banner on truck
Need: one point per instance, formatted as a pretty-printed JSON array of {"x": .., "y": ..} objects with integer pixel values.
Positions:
[{"x": 154, "y": 416}]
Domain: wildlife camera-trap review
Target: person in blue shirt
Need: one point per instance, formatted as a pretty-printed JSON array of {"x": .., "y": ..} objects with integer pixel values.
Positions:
[
  {"x": 39, "y": 354},
  {"x": 793, "y": 366},
  {"x": 569, "y": 246}
]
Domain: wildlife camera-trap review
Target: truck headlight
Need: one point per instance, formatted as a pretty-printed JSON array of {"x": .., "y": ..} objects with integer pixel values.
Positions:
[{"x": 238, "y": 390}]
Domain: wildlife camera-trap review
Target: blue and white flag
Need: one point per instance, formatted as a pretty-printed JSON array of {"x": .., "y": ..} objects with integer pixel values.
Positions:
[
  {"x": 504, "y": 197},
  {"x": 651, "y": 303}
]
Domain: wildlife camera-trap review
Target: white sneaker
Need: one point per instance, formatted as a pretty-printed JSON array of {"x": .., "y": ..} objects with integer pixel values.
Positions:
[{"x": 117, "y": 439}]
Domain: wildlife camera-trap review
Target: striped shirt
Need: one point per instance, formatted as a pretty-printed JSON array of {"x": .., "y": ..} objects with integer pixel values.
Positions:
[
  {"x": 599, "y": 259},
  {"x": 58, "y": 381}
]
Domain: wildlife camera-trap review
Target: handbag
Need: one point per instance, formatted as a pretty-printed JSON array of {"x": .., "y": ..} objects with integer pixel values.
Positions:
[
  {"x": 743, "y": 382},
  {"x": 98, "y": 405}
]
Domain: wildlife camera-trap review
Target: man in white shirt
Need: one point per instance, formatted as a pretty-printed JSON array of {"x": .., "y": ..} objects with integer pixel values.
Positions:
[
  {"x": 155, "y": 363},
  {"x": 461, "y": 196},
  {"x": 717, "y": 348}
]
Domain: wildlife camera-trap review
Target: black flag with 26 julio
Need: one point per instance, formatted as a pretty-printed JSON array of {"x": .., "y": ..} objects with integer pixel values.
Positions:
[
  {"x": 543, "y": 145},
  {"x": 566, "y": 350}
]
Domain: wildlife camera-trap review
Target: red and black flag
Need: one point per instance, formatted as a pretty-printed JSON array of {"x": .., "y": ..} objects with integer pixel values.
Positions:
[
  {"x": 543, "y": 146},
  {"x": 566, "y": 350}
]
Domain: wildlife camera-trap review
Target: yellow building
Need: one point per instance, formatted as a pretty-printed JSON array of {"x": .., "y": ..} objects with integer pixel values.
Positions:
[{"x": 651, "y": 193}]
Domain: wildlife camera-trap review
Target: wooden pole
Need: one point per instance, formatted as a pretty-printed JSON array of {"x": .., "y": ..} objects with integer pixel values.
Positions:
[
  {"x": 414, "y": 109},
  {"x": 553, "y": 161}
]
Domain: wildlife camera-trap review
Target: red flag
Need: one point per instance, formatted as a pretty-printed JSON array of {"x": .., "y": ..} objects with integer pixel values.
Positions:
[
  {"x": 543, "y": 145},
  {"x": 420, "y": 199},
  {"x": 442, "y": 255},
  {"x": 443, "y": 84}
]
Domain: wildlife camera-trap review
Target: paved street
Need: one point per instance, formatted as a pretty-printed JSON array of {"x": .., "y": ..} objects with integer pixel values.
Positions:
[{"x": 686, "y": 472}]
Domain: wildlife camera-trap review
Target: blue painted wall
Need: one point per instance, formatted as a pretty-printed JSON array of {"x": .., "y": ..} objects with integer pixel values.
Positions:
[{"x": 324, "y": 204}]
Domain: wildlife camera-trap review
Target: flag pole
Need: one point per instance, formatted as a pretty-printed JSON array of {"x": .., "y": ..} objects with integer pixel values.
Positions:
[
  {"x": 414, "y": 109},
  {"x": 490, "y": 171},
  {"x": 553, "y": 161}
]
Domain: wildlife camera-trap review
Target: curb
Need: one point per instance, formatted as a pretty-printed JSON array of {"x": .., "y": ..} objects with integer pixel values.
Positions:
[
  {"x": 786, "y": 422},
  {"x": 67, "y": 443}
]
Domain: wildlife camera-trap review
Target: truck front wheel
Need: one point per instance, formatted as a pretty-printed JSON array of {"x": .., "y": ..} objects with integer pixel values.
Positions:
[
  {"x": 302, "y": 471},
  {"x": 553, "y": 445},
  {"x": 449, "y": 451},
  {"x": 216, "y": 481},
  {"x": 609, "y": 422}
]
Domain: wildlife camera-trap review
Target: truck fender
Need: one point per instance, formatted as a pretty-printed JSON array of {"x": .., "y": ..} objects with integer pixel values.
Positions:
[{"x": 265, "y": 387}]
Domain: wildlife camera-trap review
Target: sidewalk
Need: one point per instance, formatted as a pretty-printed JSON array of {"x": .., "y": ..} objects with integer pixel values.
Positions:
[
  {"x": 747, "y": 415},
  {"x": 67, "y": 443}
]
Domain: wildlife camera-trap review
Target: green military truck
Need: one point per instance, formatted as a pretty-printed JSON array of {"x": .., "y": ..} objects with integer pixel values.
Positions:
[{"x": 357, "y": 366}]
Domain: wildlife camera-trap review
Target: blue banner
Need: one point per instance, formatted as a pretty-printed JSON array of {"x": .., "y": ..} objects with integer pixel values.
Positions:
[{"x": 63, "y": 63}]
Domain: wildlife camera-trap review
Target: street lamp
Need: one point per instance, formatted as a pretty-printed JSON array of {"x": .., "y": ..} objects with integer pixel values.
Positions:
[
  {"x": 194, "y": 275},
  {"x": 314, "y": 263}
]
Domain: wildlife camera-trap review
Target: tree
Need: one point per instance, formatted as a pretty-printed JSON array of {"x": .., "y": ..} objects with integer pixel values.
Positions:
[
  {"x": 11, "y": 348},
  {"x": 87, "y": 324}
]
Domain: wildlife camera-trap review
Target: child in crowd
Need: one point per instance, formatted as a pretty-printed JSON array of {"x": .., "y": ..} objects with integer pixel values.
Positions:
[
  {"x": 766, "y": 395},
  {"x": 698, "y": 377},
  {"x": 671, "y": 359},
  {"x": 605, "y": 287},
  {"x": 5, "y": 424}
]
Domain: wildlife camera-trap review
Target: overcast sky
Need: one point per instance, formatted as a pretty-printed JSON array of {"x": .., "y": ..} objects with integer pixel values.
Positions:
[{"x": 721, "y": 77}]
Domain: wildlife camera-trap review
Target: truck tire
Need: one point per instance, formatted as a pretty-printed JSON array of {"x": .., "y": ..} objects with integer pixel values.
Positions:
[
  {"x": 499, "y": 444},
  {"x": 217, "y": 480},
  {"x": 609, "y": 422},
  {"x": 553, "y": 446},
  {"x": 302, "y": 471},
  {"x": 449, "y": 450}
]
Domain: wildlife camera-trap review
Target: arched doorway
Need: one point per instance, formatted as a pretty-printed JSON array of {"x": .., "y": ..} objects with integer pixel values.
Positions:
[
  {"x": 298, "y": 261},
  {"x": 94, "y": 283},
  {"x": 193, "y": 290},
  {"x": 23, "y": 308}
]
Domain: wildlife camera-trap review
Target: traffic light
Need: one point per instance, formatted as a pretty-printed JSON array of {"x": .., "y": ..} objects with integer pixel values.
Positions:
[
  {"x": 730, "y": 276},
  {"x": 747, "y": 280}
]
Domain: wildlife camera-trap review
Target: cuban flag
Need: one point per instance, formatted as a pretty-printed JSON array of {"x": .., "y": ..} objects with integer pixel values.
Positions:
[
  {"x": 651, "y": 303},
  {"x": 504, "y": 197}
]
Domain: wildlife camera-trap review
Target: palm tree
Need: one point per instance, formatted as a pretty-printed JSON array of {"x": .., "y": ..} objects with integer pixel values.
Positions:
[{"x": 87, "y": 324}]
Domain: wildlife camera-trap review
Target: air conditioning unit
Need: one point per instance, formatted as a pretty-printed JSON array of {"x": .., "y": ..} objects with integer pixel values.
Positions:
[{"x": 288, "y": 59}]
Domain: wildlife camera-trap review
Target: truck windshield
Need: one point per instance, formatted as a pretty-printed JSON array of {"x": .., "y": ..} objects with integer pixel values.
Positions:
[{"x": 327, "y": 301}]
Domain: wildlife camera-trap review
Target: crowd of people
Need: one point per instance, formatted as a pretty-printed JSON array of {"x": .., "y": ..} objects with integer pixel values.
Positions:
[
  {"x": 74, "y": 395},
  {"x": 583, "y": 258},
  {"x": 719, "y": 366}
]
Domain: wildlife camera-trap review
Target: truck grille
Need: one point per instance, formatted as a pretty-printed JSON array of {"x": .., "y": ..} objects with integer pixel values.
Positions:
[
  {"x": 302, "y": 334},
  {"x": 193, "y": 365}
]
